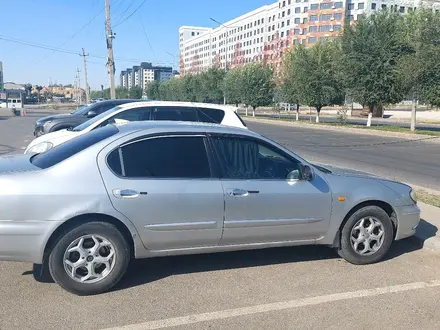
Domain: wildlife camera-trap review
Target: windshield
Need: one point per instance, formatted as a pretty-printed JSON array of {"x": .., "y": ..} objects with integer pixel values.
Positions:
[
  {"x": 81, "y": 110},
  {"x": 94, "y": 120}
]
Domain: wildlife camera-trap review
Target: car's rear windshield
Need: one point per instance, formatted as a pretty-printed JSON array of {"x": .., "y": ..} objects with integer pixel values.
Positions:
[{"x": 68, "y": 149}]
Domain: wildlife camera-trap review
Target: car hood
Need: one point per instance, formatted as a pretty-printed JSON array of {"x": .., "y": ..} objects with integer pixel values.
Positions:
[
  {"x": 41, "y": 121},
  {"x": 16, "y": 163},
  {"x": 340, "y": 171}
]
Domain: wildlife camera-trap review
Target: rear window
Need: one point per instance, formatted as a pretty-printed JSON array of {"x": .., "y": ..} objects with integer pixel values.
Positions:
[
  {"x": 68, "y": 149},
  {"x": 214, "y": 116}
]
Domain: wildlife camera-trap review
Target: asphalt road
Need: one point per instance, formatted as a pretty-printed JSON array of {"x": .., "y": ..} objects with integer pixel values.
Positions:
[
  {"x": 353, "y": 121},
  {"x": 412, "y": 161},
  {"x": 283, "y": 288}
]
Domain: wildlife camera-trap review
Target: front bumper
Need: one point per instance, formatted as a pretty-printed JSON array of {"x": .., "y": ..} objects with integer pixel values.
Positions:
[
  {"x": 408, "y": 218},
  {"x": 25, "y": 240}
]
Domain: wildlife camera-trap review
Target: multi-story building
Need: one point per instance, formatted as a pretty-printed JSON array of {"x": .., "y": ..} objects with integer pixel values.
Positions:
[
  {"x": 1, "y": 76},
  {"x": 141, "y": 76},
  {"x": 266, "y": 33}
]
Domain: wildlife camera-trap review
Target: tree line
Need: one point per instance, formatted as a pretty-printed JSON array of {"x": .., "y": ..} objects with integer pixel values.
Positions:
[{"x": 382, "y": 59}]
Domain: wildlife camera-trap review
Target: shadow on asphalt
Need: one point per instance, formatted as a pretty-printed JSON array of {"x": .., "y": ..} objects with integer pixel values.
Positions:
[
  {"x": 425, "y": 230},
  {"x": 144, "y": 271}
]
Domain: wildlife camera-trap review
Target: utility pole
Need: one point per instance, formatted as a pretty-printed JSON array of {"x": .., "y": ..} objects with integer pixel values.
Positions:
[
  {"x": 110, "y": 59},
  {"x": 413, "y": 112},
  {"x": 84, "y": 55},
  {"x": 78, "y": 79}
]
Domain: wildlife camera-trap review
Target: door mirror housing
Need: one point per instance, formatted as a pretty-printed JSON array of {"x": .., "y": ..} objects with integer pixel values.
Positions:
[
  {"x": 91, "y": 114},
  {"x": 307, "y": 173}
]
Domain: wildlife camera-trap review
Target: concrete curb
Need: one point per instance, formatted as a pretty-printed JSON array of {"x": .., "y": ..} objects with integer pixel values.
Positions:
[
  {"x": 350, "y": 130},
  {"x": 428, "y": 231}
]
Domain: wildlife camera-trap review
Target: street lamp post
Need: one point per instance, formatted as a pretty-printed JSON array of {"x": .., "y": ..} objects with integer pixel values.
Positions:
[{"x": 175, "y": 59}]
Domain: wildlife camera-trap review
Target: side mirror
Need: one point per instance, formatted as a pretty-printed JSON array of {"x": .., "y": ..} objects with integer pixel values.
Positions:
[
  {"x": 91, "y": 114},
  {"x": 307, "y": 173}
]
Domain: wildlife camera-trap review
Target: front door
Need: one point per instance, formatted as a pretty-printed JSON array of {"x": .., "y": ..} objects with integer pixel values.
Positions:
[
  {"x": 264, "y": 199},
  {"x": 163, "y": 184}
]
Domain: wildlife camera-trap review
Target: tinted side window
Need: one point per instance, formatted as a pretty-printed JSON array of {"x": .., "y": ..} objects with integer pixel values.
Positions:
[
  {"x": 67, "y": 149},
  {"x": 174, "y": 113},
  {"x": 167, "y": 157},
  {"x": 137, "y": 114},
  {"x": 243, "y": 158},
  {"x": 211, "y": 115}
]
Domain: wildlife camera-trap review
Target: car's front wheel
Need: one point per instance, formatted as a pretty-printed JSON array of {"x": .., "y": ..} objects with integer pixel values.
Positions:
[
  {"x": 90, "y": 258},
  {"x": 367, "y": 236}
]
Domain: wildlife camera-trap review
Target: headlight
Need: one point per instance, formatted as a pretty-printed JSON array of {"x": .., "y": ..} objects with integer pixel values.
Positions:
[
  {"x": 40, "y": 148},
  {"x": 413, "y": 196}
]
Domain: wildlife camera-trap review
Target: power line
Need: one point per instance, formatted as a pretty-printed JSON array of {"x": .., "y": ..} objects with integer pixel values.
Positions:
[
  {"x": 65, "y": 51},
  {"x": 148, "y": 40},
  {"x": 126, "y": 9},
  {"x": 73, "y": 36},
  {"x": 128, "y": 17}
]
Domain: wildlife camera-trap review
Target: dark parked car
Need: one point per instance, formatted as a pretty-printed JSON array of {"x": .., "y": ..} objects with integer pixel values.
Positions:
[{"x": 69, "y": 120}]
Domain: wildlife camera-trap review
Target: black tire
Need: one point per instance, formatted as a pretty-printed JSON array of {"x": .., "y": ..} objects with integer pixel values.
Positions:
[
  {"x": 105, "y": 230},
  {"x": 346, "y": 250}
]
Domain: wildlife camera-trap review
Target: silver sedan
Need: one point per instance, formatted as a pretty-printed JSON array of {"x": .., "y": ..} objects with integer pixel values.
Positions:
[{"x": 86, "y": 207}]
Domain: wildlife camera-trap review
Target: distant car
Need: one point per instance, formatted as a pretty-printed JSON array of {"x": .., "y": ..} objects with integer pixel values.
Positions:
[
  {"x": 58, "y": 122},
  {"x": 146, "y": 189},
  {"x": 140, "y": 111}
]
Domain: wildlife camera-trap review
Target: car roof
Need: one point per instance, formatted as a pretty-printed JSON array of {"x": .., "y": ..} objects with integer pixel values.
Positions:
[
  {"x": 182, "y": 126},
  {"x": 153, "y": 103},
  {"x": 118, "y": 101}
]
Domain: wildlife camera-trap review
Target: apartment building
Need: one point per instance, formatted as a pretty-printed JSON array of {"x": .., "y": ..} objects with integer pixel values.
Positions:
[
  {"x": 142, "y": 75},
  {"x": 266, "y": 33}
]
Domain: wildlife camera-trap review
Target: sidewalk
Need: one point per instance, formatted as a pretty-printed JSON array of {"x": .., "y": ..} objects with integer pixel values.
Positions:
[{"x": 428, "y": 231}]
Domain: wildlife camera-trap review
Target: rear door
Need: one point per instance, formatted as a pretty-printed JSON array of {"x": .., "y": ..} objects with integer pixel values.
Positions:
[{"x": 165, "y": 186}]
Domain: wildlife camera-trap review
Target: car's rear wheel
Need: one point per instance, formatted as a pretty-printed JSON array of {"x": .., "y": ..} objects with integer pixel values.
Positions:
[
  {"x": 90, "y": 258},
  {"x": 367, "y": 236}
]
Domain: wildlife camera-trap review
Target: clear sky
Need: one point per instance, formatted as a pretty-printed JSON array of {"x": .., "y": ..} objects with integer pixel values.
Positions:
[{"x": 58, "y": 24}]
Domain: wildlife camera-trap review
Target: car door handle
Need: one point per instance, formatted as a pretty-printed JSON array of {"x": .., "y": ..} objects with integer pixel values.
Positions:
[
  {"x": 241, "y": 192},
  {"x": 125, "y": 193}
]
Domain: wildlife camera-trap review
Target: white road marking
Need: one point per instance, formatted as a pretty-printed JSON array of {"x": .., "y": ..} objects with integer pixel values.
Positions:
[{"x": 197, "y": 318}]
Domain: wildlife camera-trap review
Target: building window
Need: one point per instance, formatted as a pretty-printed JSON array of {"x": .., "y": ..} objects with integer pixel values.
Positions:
[
  {"x": 410, "y": 9},
  {"x": 295, "y": 41},
  {"x": 338, "y": 4},
  {"x": 336, "y": 28},
  {"x": 297, "y": 20},
  {"x": 305, "y": 20},
  {"x": 313, "y": 28},
  {"x": 350, "y": 6},
  {"x": 282, "y": 34},
  {"x": 283, "y": 14},
  {"x": 288, "y": 22},
  {"x": 284, "y": 3},
  {"x": 288, "y": 11},
  {"x": 268, "y": 29},
  {"x": 269, "y": 19},
  {"x": 282, "y": 24},
  {"x": 193, "y": 34},
  {"x": 326, "y": 5},
  {"x": 384, "y": 6},
  {"x": 350, "y": 17},
  {"x": 314, "y": 6},
  {"x": 373, "y": 6},
  {"x": 325, "y": 28},
  {"x": 361, "y": 5},
  {"x": 304, "y": 31},
  {"x": 262, "y": 20},
  {"x": 304, "y": 41},
  {"x": 297, "y": 10},
  {"x": 325, "y": 17},
  {"x": 360, "y": 17},
  {"x": 313, "y": 18},
  {"x": 287, "y": 33},
  {"x": 401, "y": 9},
  {"x": 288, "y": 2},
  {"x": 312, "y": 40},
  {"x": 337, "y": 16},
  {"x": 287, "y": 43},
  {"x": 296, "y": 31},
  {"x": 323, "y": 39}
]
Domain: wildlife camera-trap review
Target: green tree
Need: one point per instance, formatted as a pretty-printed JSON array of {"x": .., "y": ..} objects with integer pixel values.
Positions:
[
  {"x": 257, "y": 85},
  {"x": 122, "y": 93},
  {"x": 371, "y": 51},
  {"x": 232, "y": 84},
  {"x": 211, "y": 83},
  {"x": 152, "y": 90},
  {"x": 311, "y": 76},
  {"x": 421, "y": 70},
  {"x": 135, "y": 92}
]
